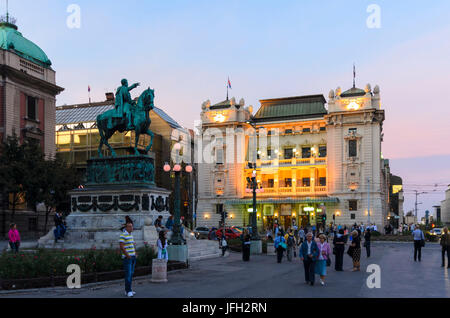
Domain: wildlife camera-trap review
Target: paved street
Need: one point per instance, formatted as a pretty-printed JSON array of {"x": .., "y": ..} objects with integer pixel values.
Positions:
[{"x": 262, "y": 277}]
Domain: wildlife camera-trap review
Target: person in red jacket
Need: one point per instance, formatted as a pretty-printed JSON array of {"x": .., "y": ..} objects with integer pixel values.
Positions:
[{"x": 14, "y": 238}]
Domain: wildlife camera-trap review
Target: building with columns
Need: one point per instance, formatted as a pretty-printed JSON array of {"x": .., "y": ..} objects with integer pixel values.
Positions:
[
  {"x": 27, "y": 107},
  {"x": 316, "y": 161}
]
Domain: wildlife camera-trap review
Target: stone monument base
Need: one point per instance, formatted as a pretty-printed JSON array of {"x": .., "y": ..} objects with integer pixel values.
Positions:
[
  {"x": 98, "y": 213},
  {"x": 178, "y": 253}
]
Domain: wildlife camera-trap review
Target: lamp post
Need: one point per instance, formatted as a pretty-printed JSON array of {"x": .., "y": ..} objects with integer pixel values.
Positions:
[
  {"x": 257, "y": 247},
  {"x": 177, "y": 238}
]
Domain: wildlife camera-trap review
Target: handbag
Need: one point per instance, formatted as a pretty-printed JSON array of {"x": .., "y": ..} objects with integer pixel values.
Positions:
[
  {"x": 422, "y": 243},
  {"x": 350, "y": 251},
  {"x": 283, "y": 245}
]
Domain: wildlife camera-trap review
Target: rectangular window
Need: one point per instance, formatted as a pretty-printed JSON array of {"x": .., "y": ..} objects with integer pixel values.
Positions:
[
  {"x": 219, "y": 208},
  {"x": 269, "y": 153},
  {"x": 31, "y": 108},
  {"x": 306, "y": 152},
  {"x": 352, "y": 216},
  {"x": 323, "y": 128},
  {"x": 352, "y": 148},
  {"x": 323, "y": 182},
  {"x": 305, "y": 130},
  {"x": 288, "y": 131},
  {"x": 352, "y": 130},
  {"x": 219, "y": 156},
  {"x": 352, "y": 205},
  {"x": 306, "y": 182},
  {"x": 288, "y": 182},
  {"x": 322, "y": 151},
  {"x": 288, "y": 153},
  {"x": 270, "y": 183}
]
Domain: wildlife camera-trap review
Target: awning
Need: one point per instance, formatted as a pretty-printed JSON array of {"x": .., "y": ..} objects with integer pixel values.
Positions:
[{"x": 284, "y": 200}]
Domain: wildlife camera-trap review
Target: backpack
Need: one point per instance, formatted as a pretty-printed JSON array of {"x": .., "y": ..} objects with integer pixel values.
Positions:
[{"x": 290, "y": 240}]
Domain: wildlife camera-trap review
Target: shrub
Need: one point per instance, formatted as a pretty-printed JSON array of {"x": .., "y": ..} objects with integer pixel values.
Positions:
[{"x": 47, "y": 263}]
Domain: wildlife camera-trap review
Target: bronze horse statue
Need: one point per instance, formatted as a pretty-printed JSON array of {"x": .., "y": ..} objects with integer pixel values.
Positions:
[{"x": 140, "y": 118}]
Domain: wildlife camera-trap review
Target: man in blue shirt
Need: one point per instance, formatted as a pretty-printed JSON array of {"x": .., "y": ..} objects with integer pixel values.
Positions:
[{"x": 419, "y": 242}]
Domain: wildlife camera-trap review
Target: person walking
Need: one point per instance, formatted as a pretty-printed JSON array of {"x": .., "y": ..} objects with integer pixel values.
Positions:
[
  {"x": 356, "y": 250},
  {"x": 246, "y": 246},
  {"x": 445, "y": 244},
  {"x": 308, "y": 253},
  {"x": 339, "y": 248},
  {"x": 162, "y": 246},
  {"x": 324, "y": 256},
  {"x": 14, "y": 238},
  {"x": 290, "y": 245},
  {"x": 224, "y": 245},
  {"x": 419, "y": 242},
  {"x": 128, "y": 249},
  {"x": 280, "y": 245},
  {"x": 301, "y": 235},
  {"x": 367, "y": 241}
]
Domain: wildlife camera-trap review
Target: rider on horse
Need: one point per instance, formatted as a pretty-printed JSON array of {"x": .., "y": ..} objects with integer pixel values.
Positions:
[{"x": 123, "y": 104}]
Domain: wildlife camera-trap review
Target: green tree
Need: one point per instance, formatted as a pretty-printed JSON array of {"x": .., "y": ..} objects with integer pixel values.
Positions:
[
  {"x": 12, "y": 175},
  {"x": 58, "y": 179}
]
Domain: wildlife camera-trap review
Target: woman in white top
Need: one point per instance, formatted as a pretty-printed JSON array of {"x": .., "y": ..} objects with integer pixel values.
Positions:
[{"x": 162, "y": 246}]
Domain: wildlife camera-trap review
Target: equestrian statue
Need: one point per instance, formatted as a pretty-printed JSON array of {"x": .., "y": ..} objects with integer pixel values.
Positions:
[{"x": 127, "y": 115}]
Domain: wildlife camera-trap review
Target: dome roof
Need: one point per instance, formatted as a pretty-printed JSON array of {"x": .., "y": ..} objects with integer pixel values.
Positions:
[
  {"x": 353, "y": 92},
  {"x": 12, "y": 40}
]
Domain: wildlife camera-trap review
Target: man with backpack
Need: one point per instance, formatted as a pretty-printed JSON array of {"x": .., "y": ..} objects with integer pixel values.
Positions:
[{"x": 290, "y": 246}]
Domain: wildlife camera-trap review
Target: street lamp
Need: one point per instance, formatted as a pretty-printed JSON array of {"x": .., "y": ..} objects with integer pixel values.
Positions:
[{"x": 176, "y": 238}]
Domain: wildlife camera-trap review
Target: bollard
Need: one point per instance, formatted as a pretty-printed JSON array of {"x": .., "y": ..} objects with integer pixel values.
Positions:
[
  {"x": 159, "y": 271},
  {"x": 271, "y": 249}
]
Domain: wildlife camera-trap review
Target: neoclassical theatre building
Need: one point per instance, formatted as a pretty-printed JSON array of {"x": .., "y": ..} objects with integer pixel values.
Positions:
[{"x": 317, "y": 161}]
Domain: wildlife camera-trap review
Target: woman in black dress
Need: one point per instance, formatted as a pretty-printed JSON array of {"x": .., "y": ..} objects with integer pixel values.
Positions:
[
  {"x": 246, "y": 246},
  {"x": 339, "y": 247},
  {"x": 356, "y": 244}
]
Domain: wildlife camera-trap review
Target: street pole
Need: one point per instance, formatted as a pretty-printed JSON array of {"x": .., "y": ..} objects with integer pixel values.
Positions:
[
  {"x": 254, "y": 224},
  {"x": 176, "y": 238},
  {"x": 368, "y": 201}
]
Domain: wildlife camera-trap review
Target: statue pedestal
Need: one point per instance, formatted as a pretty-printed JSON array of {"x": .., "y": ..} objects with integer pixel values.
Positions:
[
  {"x": 99, "y": 210},
  {"x": 178, "y": 253}
]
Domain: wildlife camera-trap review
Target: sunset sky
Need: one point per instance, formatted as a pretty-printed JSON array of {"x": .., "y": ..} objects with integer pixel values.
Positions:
[{"x": 186, "y": 50}]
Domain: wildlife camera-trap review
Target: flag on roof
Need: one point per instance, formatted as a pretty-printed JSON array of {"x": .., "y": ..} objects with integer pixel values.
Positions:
[
  {"x": 89, "y": 88},
  {"x": 229, "y": 83}
]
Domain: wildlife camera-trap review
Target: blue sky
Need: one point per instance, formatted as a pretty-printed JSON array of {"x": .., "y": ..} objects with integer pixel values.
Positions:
[{"x": 187, "y": 49}]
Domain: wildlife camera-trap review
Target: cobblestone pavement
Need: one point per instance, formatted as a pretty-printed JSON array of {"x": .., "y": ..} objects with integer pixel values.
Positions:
[{"x": 262, "y": 277}]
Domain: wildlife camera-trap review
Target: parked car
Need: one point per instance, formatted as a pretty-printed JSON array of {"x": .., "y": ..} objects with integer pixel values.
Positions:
[
  {"x": 436, "y": 231},
  {"x": 230, "y": 233},
  {"x": 201, "y": 232}
]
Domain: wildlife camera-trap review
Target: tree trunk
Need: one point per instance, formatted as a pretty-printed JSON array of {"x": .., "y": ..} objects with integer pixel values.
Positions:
[{"x": 14, "y": 203}]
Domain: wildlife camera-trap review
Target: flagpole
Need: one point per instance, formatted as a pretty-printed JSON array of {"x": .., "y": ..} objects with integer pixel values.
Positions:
[{"x": 227, "y": 91}]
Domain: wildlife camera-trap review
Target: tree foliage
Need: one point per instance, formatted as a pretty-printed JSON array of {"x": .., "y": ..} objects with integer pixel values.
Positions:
[{"x": 24, "y": 169}]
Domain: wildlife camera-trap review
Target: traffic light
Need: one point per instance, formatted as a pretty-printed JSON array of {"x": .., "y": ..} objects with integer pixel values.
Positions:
[
  {"x": 324, "y": 218},
  {"x": 223, "y": 216}
]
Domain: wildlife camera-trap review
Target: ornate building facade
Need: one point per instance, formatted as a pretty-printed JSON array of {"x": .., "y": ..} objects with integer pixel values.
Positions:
[{"x": 316, "y": 161}]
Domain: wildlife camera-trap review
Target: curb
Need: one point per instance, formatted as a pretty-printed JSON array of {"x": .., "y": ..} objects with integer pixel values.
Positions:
[{"x": 91, "y": 286}]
